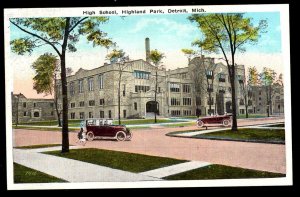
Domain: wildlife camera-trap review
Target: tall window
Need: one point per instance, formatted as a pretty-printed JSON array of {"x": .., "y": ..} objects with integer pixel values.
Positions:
[
  {"x": 187, "y": 101},
  {"x": 72, "y": 105},
  {"x": 109, "y": 113},
  {"x": 81, "y": 115},
  {"x": 175, "y": 101},
  {"x": 91, "y": 84},
  {"x": 124, "y": 89},
  {"x": 186, "y": 88},
  {"x": 72, "y": 90},
  {"x": 135, "y": 105},
  {"x": 209, "y": 74},
  {"x": 80, "y": 83},
  {"x": 187, "y": 112},
  {"x": 101, "y": 114},
  {"x": 81, "y": 104},
  {"x": 174, "y": 87},
  {"x": 198, "y": 100},
  {"x": 90, "y": 114},
  {"x": 175, "y": 112},
  {"x": 34, "y": 104},
  {"x": 222, "y": 77},
  {"x": 24, "y": 104},
  {"x": 124, "y": 113},
  {"x": 72, "y": 115},
  {"x": 100, "y": 78},
  {"x": 92, "y": 103},
  {"x": 101, "y": 101}
]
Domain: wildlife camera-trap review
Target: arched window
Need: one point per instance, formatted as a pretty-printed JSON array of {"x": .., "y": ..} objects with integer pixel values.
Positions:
[{"x": 36, "y": 114}]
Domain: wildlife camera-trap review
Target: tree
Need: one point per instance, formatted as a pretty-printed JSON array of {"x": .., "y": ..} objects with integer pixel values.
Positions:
[
  {"x": 268, "y": 77},
  {"x": 228, "y": 33},
  {"x": 46, "y": 68},
  {"x": 119, "y": 57},
  {"x": 155, "y": 58},
  {"x": 246, "y": 86},
  {"x": 61, "y": 34}
]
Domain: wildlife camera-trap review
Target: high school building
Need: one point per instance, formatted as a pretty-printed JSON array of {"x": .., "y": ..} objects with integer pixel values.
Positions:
[
  {"x": 201, "y": 88},
  {"x": 94, "y": 93}
]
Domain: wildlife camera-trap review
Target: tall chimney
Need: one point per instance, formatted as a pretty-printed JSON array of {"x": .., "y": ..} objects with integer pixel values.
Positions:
[{"x": 147, "y": 46}]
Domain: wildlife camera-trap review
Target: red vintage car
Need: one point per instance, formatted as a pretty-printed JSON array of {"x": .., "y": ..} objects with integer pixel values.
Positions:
[
  {"x": 225, "y": 120},
  {"x": 104, "y": 129}
]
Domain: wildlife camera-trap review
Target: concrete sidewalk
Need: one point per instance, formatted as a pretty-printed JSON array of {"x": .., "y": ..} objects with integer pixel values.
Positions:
[
  {"x": 73, "y": 170},
  {"x": 175, "y": 169}
]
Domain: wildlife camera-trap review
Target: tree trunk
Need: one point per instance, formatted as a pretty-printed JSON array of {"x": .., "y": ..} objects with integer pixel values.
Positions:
[
  {"x": 233, "y": 100},
  {"x": 56, "y": 101},
  {"x": 65, "y": 130},
  {"x": 155, "y": 95},
  {"x": 119, "y": 98}
]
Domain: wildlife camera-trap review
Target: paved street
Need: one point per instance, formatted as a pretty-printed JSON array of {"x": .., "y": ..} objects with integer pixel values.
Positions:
[{"x": 267, "y": 157}]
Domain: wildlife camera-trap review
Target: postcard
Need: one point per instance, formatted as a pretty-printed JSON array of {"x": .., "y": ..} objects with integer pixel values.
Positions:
[{"x": 148, "y": 97}]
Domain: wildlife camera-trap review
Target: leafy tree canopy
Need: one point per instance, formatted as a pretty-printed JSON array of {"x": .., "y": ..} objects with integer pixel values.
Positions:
[
  {"x": 52, "y": 31},
  {"x": 156, "y": 57},
  {"x": 44, "y": 67}
]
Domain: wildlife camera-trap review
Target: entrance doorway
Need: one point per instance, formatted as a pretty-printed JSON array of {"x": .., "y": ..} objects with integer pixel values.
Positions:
[{"x": 152, "y": 107}]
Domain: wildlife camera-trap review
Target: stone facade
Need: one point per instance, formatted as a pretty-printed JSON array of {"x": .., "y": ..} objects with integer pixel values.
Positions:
[
  {"x": 94, "y": 93},
  {"x": 28, "y": 109}
]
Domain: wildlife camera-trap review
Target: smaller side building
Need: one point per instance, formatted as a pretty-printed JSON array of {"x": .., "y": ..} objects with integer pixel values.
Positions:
[{"x": 30, "y": 109}]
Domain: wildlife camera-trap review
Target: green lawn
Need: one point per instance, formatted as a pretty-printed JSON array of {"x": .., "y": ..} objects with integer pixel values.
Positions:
[
  {"x": 222, "y": 172},
  {"x": 23, "y": 174},
  {"x": 42, "y": 128},
  {"x": 119, "y": 160},
  {"x": 38, "y": 146},
  {"x": 249, "y": 134}
]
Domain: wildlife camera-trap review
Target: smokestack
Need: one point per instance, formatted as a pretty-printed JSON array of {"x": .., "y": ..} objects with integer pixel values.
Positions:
[{"x": 147, "y": 46}]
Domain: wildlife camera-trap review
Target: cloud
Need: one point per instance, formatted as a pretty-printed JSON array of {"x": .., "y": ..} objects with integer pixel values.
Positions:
[{"x": 165, "y": 26}]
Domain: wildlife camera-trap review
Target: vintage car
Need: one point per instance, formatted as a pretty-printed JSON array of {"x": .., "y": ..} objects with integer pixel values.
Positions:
[
  {"x": 225, "y": 120},
  {"x": 104, "y": 129}
]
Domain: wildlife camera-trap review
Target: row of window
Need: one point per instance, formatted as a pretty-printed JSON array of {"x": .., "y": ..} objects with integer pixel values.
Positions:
[
  {"x": 102, "y": 114},
  {"x": 90, "y": 102},
  {"x": 35, "y": 104},
  {"x": 141, "y": 74},
  {"x": 35, "y": 114},
  {"x": 176, "y": 101},
  {"x": 81, "y": 85},
  {"x": 178, "y": 112}
]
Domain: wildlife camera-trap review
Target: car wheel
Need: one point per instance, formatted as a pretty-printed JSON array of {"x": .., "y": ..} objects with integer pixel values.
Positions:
[
  {"x": 121, "y": 136},
  {"x": 226, "y": 123},
  {"x": 200, "y": 123},
  {"x": 90, "y": 136},
  {"x": 129, "y": 135}
]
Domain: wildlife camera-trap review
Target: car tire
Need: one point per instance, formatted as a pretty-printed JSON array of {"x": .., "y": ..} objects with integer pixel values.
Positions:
[
  {"x": 226, "y": 123},
  {"x": 121, "y": 136},
  {"x": 129, "y": 135},
  {"x": 90, "y": 136},
  {"x": 200, "y": 123}
]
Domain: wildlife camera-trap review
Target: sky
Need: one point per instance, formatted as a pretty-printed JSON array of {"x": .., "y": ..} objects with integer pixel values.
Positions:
[{"x": 168, "y": 34}]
